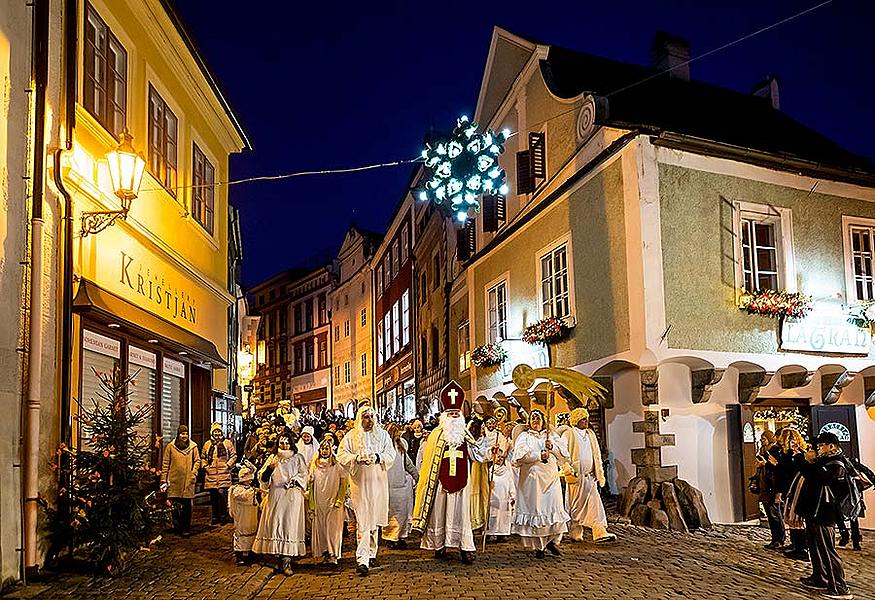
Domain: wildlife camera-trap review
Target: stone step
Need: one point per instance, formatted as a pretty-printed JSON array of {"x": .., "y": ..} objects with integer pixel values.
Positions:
[
  {"x": 658, "y": 440},
  {"x": 647, "y": 457},
  {"x": 658, "y": 474}
]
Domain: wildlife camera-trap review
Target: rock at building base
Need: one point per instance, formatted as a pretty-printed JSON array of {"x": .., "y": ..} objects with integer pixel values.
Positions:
[
  {"x": 672, "y": 507},
  {"x": 640, "y": 515},
  {"x": 658, "y": 519},
  {"x": 692, "y": 505},
  {"x": 636, "y": 493}
]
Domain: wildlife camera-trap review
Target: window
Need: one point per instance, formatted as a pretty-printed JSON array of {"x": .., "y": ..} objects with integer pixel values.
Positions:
[
  {"x": 172, "y": 394},
  {"x": 555, "y": 298},
  {"x": 323, "y": 314},
  {"x": 380, "y": 343},
  {"x": 347, "y": 375},
  {"x": 310, "y": 350},
  {"x": 763, "y": 247},
  {"x": 405, "y": 242},
  {"x": 396, "y": 257},
  {"x": 364, "y": 364},
  {"x": 323, "y": 354},
  {"x": 859, "y": 248},
  {"x": 162, "y": 141},
  {"x": 396, "y": 328},
  {"x": 284, "y": 353},
  {"x": 346, "y": 328},
  {"x": 336, "y": 332},
  {"x": 380, "y": 280},
  {"x": 299, "y": 321},
  {"x": 364, "y": 317},
  {"x": 202, "y": 199},
  {"x": 435, "y": 351},
  {"x": 423, "y": 288},
  {"x": 405, "y": 318},
  {"x": 284, "y": 320},
  {"x": 308, "y": 313},
  {"x": 389, "y": 267},
  {"x": 464, "y": 347},
  {"x": 299, "y": 358},
  {"x": 496, "y": 307},
  {"x": 346, "y": 299},
  {"x": 387, "y": 325},
  {"x": 337, "y": 373},
  {"x": 437, "y": 270},
  {"x": 105, "y": 74}
]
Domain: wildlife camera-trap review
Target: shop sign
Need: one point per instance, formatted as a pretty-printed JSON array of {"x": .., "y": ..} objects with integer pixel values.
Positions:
[
  {"x": 520, "y": 352},
  {"x": 825, "y": 331},
  {"x": 142, "y": 358},
  {"x": 174, "y": 301},
  {"x": 101, "y": 344},
  {"x": 174, "y": 367}
]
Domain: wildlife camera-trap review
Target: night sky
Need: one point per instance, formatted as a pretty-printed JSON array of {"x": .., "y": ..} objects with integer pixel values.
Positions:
[{"x": 326, "y": 84}]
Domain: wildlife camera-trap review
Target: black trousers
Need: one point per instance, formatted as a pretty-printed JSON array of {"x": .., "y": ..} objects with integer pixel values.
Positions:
[
  {"x": 182, "y": 514},
  {"x": 855, "y": 529},
  {"x": 826, "y": 565},
  {"x": 798, "y": 539},
  {"x": 219, "y": 504},
  {"x": 776, "y": 522}
]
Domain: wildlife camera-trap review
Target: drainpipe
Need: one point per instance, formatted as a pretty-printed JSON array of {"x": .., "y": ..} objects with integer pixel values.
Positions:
[{"x": 30, "y": 434}]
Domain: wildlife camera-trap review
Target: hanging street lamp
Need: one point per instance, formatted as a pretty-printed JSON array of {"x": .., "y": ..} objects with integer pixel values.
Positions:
[{"x": 126, "y": 169}]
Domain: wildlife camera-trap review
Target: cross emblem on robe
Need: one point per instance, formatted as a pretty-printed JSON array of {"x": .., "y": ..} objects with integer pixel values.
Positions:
[{"x": 454, "y": 455}]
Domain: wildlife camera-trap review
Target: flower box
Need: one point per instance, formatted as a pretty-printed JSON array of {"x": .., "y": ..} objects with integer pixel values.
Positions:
[
  {"x": 488, "y": 355},
  {"x": 776, "y": 304},
  {"x": 546, "y": 331}
]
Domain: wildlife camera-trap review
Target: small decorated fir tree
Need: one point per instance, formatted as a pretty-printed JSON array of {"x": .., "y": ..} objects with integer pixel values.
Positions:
[{"x": 108, "y": 509}]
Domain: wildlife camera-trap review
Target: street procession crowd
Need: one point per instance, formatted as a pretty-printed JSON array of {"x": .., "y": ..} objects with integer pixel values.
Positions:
[
  {"x": 306, "y": 479},
  {"x": 310, "y": 479}
]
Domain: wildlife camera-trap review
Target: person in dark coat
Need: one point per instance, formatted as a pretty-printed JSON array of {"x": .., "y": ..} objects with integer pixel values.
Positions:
[
  {"x": 865, "y": 479},
  {"x": 792, "y": 444},
  {"x": 826, "y": 474},
  {"x": 770, "y": 493}
]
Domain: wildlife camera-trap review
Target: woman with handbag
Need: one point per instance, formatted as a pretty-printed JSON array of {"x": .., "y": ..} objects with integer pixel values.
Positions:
[{"x": 178, "y": 475}]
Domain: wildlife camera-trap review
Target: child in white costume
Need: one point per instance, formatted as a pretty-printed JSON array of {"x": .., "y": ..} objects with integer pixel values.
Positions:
[
  {"x": 243, "y": 509},
  {"x": 327, "y": 491},
  {"x": 501, "y": 504}
]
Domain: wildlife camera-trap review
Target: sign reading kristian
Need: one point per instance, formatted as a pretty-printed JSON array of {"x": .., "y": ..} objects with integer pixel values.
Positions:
[{"x": 175, "y": 303}]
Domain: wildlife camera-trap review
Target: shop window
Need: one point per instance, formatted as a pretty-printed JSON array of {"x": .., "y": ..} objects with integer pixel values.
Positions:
[
  {"x": 202, "y": 191},
  {"x": 163, "y": 127},
  {"x": 172, "y": 397},
  {"x": 142, "y": 368},
  {"x": 105, "y": 74},
  {"x": 555, "y": 294},
  {"x": 464, "y": 347},
  {"x": 100, "y": 355},
  {"x": 496, "y": 304}
]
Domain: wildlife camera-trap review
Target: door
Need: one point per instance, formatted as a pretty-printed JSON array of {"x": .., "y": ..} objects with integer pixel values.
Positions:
[{"x": 840, "y": 420}]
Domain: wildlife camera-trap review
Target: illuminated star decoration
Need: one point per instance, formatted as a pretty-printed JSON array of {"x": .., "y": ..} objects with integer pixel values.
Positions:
[{"x": 464, "y": 167}]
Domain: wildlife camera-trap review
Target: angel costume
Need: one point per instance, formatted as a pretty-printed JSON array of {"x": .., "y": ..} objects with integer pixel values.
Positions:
[
  {"x": 584, "y": 474},
  {"x": 367, "y": 456},
  {"x": 281, "y": 528},
  {"x": 327, "y": 491},
  {"x": 502, "y": 500},
  {"x": 540, "y": 517},
  {"x": 243, "y": 508},
  {"x": 402, "y": 479}
]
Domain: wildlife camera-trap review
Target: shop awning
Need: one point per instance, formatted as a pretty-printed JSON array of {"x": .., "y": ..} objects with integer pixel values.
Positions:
[{"x": 106, "y": 307}]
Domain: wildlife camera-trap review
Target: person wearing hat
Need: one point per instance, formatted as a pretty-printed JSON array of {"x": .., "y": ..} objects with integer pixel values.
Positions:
[
  {"x": 826, "y": 486},
  {"x": 219, "y": 457},
  {"x": 584, "y": 475},
  {"x": 178, "y": 475},
  {"x": 442, "y": 506},
  {"x": 539, "y": 516},
  {"x": 243, "y": 508}
]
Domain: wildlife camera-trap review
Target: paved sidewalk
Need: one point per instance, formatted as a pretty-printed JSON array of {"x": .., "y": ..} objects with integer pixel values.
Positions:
[{"x": 728, "y": 562}]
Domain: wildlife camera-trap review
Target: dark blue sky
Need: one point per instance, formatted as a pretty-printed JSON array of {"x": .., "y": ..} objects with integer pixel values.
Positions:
[{"x": 325, "y": 84}]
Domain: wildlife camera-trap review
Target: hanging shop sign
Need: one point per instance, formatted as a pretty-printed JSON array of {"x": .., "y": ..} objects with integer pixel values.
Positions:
[{"x": 825, "y": 331}]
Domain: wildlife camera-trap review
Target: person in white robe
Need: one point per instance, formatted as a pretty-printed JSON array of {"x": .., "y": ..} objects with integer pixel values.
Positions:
[
  {"x": 326, "y": 494},
  {"x": 442, "y": 509},
  {"x": 539, "y": 516},
  {"x": 281, "y": 528},
  {"x": 367, "y": 453},
  {"x": 584, "y": 475},
  {"x": 402, "y": 479},
  {"x": 503, "y": 498},
  {"x": 243, "y": 509},
  {"x": 307, "y": 445}
]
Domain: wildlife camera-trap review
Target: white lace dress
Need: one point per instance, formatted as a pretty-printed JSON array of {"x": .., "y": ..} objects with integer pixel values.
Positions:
[
  {"x": 281, "y": 529},
  {"x": 539, "y": 516}
]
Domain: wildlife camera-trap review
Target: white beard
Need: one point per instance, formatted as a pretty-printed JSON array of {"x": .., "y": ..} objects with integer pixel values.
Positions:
[{"x": 454, "y": 430}]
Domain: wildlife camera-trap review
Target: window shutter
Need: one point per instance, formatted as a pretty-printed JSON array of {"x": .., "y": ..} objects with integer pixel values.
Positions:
[
  {"x": 537, "y": 150},
  {"x": 525, "y": 182},
  {"x": 465, "y": 241},
  {"x": 490, "y": 213},
  {"x": 501, "y": 208}
]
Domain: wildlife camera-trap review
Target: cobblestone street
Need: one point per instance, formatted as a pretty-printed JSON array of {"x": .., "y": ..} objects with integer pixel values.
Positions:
[{"x": 727, "y": 562}]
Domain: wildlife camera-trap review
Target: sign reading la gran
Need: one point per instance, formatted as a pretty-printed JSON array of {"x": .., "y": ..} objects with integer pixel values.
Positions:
[
  {"x": 173, "y": 302},
  {"x": 825, "y": 333}
]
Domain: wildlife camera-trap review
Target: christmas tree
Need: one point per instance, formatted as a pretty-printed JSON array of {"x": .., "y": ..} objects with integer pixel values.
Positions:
[{"x": 107, "y": 506}]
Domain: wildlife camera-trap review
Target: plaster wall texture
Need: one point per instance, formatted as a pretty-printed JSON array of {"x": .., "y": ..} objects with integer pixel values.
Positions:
[
  {"x": 698, "y": 255},
  {"x": 594, "y": 216},
  {"x": 618, "y": 421}
]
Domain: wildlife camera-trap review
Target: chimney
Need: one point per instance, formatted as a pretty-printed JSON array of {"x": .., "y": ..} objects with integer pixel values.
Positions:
[
  {"x": 671, "y": 53},
  {"x": 768, "y": 88}
]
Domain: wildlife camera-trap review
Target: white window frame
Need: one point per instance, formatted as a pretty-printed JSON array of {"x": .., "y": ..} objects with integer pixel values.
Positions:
[
  {"x": 396, "y": 327},
  {"x": 782, "y": 218},
  {"x": 464, "y": 356},
  {"x": 379, "y": 280},
  {"x": 405, "y": 317},
  {"x": 346, "y": 328},
  {"x": 564, "y": 240},
  {"x": 493, "y": 285},
  {"x": 847, "y": 246},
  {"x": 380, "y": 334},
  {"x": 387, "y": 337}
]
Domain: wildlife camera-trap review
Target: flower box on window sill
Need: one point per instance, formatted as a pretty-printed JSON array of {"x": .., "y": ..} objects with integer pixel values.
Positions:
[
  {"x": 775, "y": 304},
  {"x": 488, "y": 355},
  {"x": 548, "y": 331}
]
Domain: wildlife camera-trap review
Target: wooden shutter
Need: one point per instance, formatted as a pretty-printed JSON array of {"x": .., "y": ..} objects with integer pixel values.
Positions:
[
  {"x": 494, "y": 208},
  {"x": 537, "y": 155},
  {"x": 465, "y": 241},
  {"x": 525, "y": 182}
]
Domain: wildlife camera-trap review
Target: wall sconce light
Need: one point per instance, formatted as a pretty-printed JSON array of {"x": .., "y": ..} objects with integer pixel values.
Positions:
[{"x": 126, "y": 173}]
